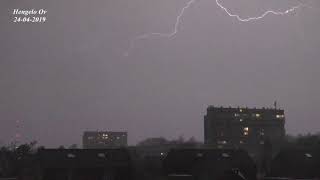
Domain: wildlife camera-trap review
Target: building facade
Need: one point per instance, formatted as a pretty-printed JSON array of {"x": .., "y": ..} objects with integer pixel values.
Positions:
[
  {"x": 82, "y": 164},
  {"x": 246, "y": 128},
  {"x": 104, "y": 139}
]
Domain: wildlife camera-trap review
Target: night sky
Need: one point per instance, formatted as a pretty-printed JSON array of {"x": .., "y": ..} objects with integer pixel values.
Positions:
[{"x": 69, "y": 74}]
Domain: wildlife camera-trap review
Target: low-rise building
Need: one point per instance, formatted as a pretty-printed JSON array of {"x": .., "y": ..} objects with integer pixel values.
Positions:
[{"x": 104, "y": 139}]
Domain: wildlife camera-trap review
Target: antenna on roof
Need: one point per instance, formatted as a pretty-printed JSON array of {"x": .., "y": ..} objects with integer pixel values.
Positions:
[{"x": 275, "y": 104}]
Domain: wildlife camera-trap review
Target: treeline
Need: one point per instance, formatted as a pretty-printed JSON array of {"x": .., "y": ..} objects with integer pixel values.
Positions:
[
  {"x": 14, "y": 157},
  {"x": 303, "y": 141}
]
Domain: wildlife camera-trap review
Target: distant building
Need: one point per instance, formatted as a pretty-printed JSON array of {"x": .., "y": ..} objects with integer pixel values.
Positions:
[
  {"x": 104, "y": 139},
  {"x": 247, "y": 128}
]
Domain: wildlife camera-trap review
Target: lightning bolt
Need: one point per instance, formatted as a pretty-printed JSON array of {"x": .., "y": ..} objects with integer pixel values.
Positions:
[
  {"x": 258, "y": 17},
  {"x": 167, "y": 35},
  {"x": 188, "y": 5}
]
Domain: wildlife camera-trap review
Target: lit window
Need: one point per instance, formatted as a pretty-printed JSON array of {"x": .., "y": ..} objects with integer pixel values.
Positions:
[
  {"x": 240, "y": 110},
  {"x": 257, "y": 115},
  {"x": 241, "y": 120},
  {"x": 70, "y": 155},
  {"x": 222, "y": 142},
  {"x": 279, "y": 116},
  {"x": 162, "y": 154},
  {"x": 241, "y": 142},
  {"x": 245, "y": 131},
  {"x": 118, "y": 137},
  {"x": 199, "y": 154},
  {"x": 308, "y": 155},
  {"x": 225, "y": 155},
  {"x": 101, "y": 155},
  {"x": 236, "y": 115}
]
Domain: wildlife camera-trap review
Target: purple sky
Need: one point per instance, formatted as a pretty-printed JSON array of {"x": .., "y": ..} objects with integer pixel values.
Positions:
[{"x": 69, "y": 74}]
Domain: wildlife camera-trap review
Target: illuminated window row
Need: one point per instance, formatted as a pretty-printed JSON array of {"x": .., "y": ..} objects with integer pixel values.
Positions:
[
  {"x": 280, "y": 116},
  {"x": 254, "y": 115}
]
